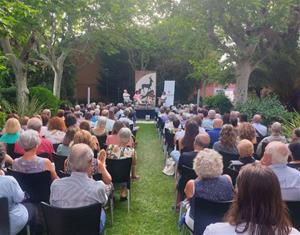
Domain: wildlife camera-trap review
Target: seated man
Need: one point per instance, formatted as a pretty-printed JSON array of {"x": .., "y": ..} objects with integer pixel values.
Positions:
[
  {"x": 187, "y": 158},
  {"x": 214, "y": 134},
  {"x": 45, "y": 145},
  {"x": 276, "y": 156},
  {"x": 275, "y": 136},
  {"x": 79, "y": 190},
  {"x": 246, "y": 151}
]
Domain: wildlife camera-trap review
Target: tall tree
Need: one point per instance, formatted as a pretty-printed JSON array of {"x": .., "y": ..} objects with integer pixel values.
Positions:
[
  {"x": 17, "y": 38},
  {"x": 246, "y": 31}
]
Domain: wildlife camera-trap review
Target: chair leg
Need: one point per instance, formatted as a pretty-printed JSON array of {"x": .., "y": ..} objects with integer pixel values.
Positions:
[
  {"x": 111, "y": 211},
  {"x": 129, "y": 198}
]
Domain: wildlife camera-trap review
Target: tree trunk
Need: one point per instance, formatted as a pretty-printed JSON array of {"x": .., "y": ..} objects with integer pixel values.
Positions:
[
  {"x": 20, "y": 72},
  {"x": 57, "y": 82},
  {"x": 22, "y": 89},
  {"x": 58, "y": 69},
  {"x": 243, "y": 71}
]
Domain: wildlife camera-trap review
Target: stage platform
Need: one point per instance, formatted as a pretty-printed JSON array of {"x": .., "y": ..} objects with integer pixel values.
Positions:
[{"x": 142, "y": 112}]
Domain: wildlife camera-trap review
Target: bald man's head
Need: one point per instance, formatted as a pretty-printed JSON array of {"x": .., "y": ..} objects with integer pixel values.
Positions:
[
  {"x": 278, "y": 152},
  {"x": 201, "y": 141},
  {"x": 256, "y": 118},
  {"x": 245, "y": 148},
  {"x": 217, "y": 123}
]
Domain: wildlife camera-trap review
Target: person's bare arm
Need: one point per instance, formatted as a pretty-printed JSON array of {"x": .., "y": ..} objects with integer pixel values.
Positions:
[
  {"x": 189, "y": 189},
  {"x": 50, "y": 167},
  {"x": 106, "y": 177},
  {"x": 8, "y": 159}
]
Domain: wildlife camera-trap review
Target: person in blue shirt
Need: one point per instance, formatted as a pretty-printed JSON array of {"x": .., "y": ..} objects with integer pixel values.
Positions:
[{"x": 214, "y": 134}]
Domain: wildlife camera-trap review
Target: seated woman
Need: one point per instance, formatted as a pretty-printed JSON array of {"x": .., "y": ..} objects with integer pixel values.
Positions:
[
  {"x": 186, "y": 144},
  {"x": 122, "y": 150},
  {"x": 228, "y": 140},
  {"x": 100, "y": 128},
  {"x": 114, "y": 139},
  {"x": 56, "y": 130},
  {"x": 12, "y": 130},
  {"x": 64, "y": 148},
  {"x": 258, "y": 207},
  {"x": 30, "y": 162},
  {"x": 100, "y": 131},
  {"x": 210, "y": 183},
  {"x": 84, "y": 137}
]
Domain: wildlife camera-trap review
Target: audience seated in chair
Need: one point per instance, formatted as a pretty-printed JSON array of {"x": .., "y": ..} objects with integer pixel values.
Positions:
[
  {"x": 64, "y": 148},
  {"x": 214, "y": 134},
  {"x": 276, "y": 157},
  {"x": 123, "y": 151},
  {"x": 228, "y": 140},
  {"x": 45, "y": 146},
  {"x": 30, "y": 162},
  {"x": 294, "y": 148},
  {"x": 275, "y": 136},
  {"x": 210, "y": 184},
  {"x": 246, "y": 151},
  {"x": 258, "y": 193},
  {"x": 79, "y": 190},
  {"x": 56, "y": 130}
]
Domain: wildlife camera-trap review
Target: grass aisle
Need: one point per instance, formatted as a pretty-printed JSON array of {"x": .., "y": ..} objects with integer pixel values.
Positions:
[{"x": 152, "y": 195}]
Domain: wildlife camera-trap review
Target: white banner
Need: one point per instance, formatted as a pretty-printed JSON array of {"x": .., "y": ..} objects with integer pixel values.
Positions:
[{"x": 169, "y": 88}]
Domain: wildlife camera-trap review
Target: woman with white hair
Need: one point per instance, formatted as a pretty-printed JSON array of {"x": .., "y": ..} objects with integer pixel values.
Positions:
[
  {"x": 121, "y": 151},
  {"x": 30, "y": 162},
  {"x": 210, "y": 183},
  {"x": 100, "y": 128}
]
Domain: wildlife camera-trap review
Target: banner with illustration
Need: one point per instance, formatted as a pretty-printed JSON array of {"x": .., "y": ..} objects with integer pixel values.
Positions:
[{"x": 145, "y": 84}]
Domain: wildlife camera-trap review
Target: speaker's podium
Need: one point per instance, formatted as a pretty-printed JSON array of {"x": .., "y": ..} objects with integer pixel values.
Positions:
[{"x": 144, "y": 110}]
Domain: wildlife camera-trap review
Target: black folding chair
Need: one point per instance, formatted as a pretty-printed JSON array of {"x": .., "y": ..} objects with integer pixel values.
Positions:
[
  {"x": 36, "y": 185},
  {"x": 207, "y": 212},
  {"x": 72, "y": 221},
  {"x": 169, "y": 140},
  {"x": 43, "y": 155},
  {"x": 55, "y": 146},
  {"x": 10, "y": 150},
  {"x": 227, "y": 157},
  {"x": 102, "y": 140},
  {"x": 59, "y": 162},
  {"x": 120, "y": 169},
  {"x": 4, "y": 217},
  {"x": 187, "y": 174},
  {"x": 294, "y": 211}
]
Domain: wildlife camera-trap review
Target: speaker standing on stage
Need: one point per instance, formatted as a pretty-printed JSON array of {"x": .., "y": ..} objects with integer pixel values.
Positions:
[
  {"x": 163, "y": 98},
  {"x": 126, "y": 97}
]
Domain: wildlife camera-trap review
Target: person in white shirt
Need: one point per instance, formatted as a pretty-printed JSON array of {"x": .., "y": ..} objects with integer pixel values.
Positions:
[
  {"x": 126, "y": 97},
  {"x": 256, "y": 123},
  {"x": 258, "y": 200}
]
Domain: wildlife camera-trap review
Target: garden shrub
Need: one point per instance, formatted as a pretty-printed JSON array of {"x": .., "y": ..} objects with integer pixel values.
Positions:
[
  {"x": 9, "y": 94},
  {"x": 269, "y": 107},
  {"x": 45, "y": 98},
  {"x": 2, "y": 120},
  {"x": 291, "y": 123},
  {"x": 219, "y": 101}
]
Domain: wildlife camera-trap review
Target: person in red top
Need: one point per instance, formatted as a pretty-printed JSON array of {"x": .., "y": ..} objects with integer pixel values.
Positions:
[{"x": 45, "y": 145}]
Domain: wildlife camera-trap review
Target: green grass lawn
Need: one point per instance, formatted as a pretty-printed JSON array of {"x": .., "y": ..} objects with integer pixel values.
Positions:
[{"x": 152, "y": 196}]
